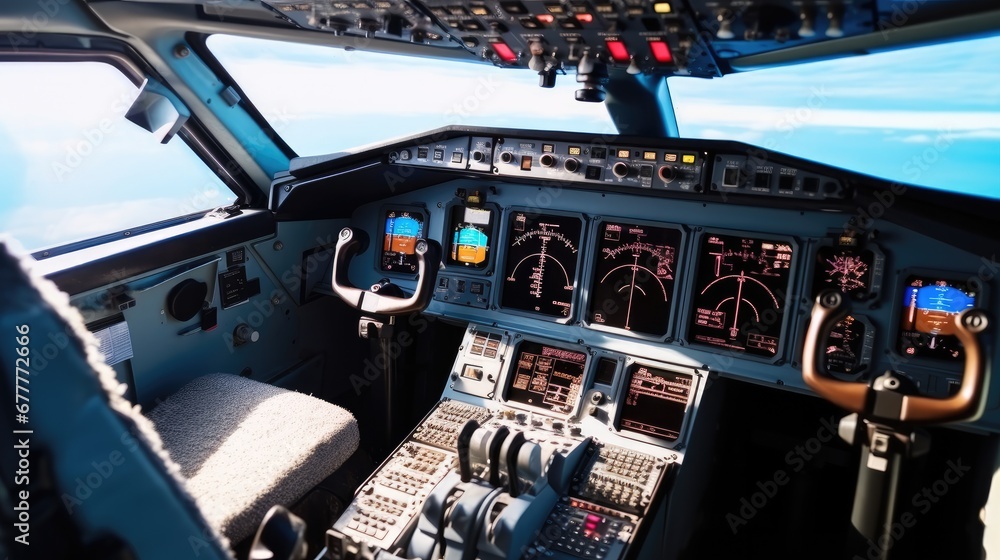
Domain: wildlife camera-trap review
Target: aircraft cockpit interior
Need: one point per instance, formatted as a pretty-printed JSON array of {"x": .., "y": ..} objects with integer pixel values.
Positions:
[{"x": 500, "y": 280}]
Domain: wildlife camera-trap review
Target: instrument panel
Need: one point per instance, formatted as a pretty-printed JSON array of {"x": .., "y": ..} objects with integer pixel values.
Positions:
[
  {"x": 721, "y": 295},
  {"x": 631, "y": 264}
]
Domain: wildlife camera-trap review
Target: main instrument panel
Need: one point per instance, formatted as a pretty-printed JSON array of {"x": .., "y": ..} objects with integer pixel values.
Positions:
[{"x": 689, "y": 252}]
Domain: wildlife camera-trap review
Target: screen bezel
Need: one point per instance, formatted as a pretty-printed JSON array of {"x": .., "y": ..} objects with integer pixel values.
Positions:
[
  {"x": 501, "y": 284},
  {"x": 590, "y": 274},
  {"x": 488, "y": 268},
  {"x": 380, "y": 228},
  {"x": 511, "y": 370},
  {"x": 623, "y": 388},
  {"x": 878, "y": 274},
  {"x": 791, "y": 299},
  {"x": 928, "y": 362}
]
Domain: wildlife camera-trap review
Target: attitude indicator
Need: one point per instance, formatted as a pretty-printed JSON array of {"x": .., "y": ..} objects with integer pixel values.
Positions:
[
  {"x": 401, "y": 229},
  {"x": 927, "y": 321}
]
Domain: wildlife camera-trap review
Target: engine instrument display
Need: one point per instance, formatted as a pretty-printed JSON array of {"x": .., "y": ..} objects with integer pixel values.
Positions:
[
  {"x": 401, "y": 230},
  {"x": 848, "y": 349},
  {"x": 927, "y": 316},
  {"x": 656, "y": 402},
  {"x": 634, "y": 277},
  {"x": 853, "y": 271},
  {"x": 541, "y": 263},
  {"x": 471, "y": 237},
  {"x": 547, "y": 377},
  {"x": 740, "y": 292}
]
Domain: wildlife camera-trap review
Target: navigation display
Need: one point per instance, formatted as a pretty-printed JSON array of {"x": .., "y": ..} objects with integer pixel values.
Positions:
[
  {"x": 547, "y": 377},
  {"x": 848, "y": 349},
  {"x": 656, "y": 402},
  {"x": 471, "y": 237},
  {"x": 927, "y": 316},
  {"x": 853, "y": 271},
  {"x": 739, "y": 297},
  {"x": 634, "y": 277},
  {"x": 541, "y": 262},
  {"x": 401, "y": 230}
]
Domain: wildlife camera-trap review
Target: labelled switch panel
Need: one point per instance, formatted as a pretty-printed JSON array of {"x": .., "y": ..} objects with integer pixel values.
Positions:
[
  {"x": 755, "y": 176},
  {"x": 645, "y": 36},
  {"x": 605, "y": 164},
  {"x": 235, "y": 288},
  {"x": 451, "y": 153},
  {"x": 462, "y": 290},
  {"x": 481, "y": 154},
  {"x": 740, "y": 28},
  {"x": 388, "y": 20},
  {"x": 480, "y": 362},
  {"x": 585, "y": 531}
]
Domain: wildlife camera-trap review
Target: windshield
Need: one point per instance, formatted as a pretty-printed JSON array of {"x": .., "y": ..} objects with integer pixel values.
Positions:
[
  {"x": 928, "y": 116},
  {"x": 322, "y": 100}
]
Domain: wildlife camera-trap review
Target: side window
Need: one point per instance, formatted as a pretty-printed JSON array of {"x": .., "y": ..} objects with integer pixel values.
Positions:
[{"x": 73, "y": 168}]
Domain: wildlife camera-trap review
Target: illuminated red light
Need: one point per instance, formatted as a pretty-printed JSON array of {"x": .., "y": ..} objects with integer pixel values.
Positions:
[
  {"x": 585, "y": 18},
  {"x": 618, "y": 51},
  {"x": 504, "y": 52},
  {"x": 661, "y": 52},
  {"x": 547, "y": 19}
]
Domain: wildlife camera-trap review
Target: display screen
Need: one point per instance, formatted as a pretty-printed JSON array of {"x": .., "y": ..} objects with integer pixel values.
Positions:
[
  {"x": 547, "y": 377},
  {"x": 739, "y": 297},
  {"x": 655, "y": 402},
  {"x": 927, "y": 327},
  {"x": 633, "y": 285},
  {"x": 541, "y": 262},
  {"x": 402, "y": 229},
  {"x": 849, "y": 346},
  {"x": 471, "y": 237},
  {"x": 846, "y": 269}
]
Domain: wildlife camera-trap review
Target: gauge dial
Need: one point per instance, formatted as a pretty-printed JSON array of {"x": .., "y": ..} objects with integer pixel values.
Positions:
[
  {"x": 634, "y": 277},
  {"x": 401, "y": 230},
  {"x": 928, "y": 312},
  {"x": 541, "y": 263},
  {"x": 849, "y": 346},
  {"x": 471, "y": 237},
  {"x": 740, "y": 293},
  {"x": 852, "y": 271}
]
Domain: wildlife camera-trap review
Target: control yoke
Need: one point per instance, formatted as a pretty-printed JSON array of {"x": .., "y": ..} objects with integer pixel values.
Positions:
[
  {"x": 349, "y": 243},
  {"x": 885, "y": 416},
  {"x": 966, "y": 404}
]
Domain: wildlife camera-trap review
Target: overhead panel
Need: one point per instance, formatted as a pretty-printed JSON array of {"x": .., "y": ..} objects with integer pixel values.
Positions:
[
  {"x": 740, "y": 28},
  {"x": 636, "y": 35},
  {"x": 377, "y": 19}
]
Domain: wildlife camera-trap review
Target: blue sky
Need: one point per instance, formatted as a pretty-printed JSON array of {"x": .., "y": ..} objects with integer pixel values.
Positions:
[
  {"x": 928, "y": 116},
  {"x": 73, "y": 168}
]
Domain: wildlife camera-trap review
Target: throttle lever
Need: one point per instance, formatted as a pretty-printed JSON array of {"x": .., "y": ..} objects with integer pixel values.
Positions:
[
  {"x": 349, "y": 243},
  {"x": 462, "y": 445}
]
